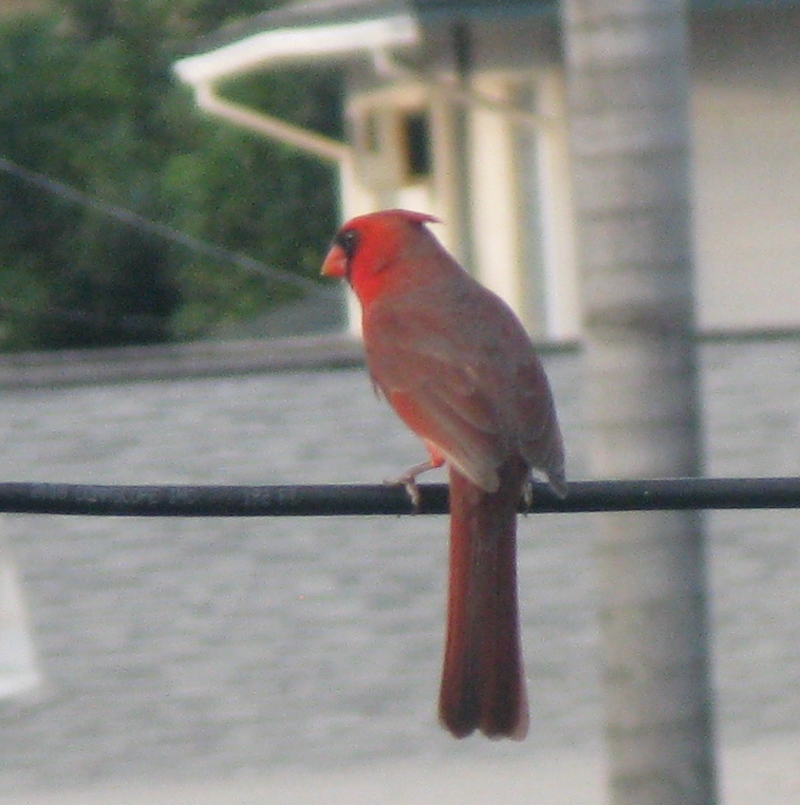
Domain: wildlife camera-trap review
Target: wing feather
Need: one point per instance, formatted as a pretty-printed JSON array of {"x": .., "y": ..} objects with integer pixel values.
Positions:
[
  {"x": 467, "y": 382},
  {"x": 441, "y": 419}
]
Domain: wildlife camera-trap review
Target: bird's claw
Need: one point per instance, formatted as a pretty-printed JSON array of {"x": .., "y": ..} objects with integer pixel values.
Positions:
[
  {"x": 527, "y": 492},
  {"x": 409, "y": 483},
  {"x": 408, "y": 480},
  {"x": 412, "y": 490}
]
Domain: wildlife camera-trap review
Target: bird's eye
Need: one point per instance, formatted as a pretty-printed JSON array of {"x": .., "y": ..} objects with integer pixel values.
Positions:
[{"x": 348, "y": 240}]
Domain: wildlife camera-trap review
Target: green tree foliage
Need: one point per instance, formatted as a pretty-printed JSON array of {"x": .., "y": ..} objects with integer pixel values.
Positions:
[{"x": 87, "y": 97}]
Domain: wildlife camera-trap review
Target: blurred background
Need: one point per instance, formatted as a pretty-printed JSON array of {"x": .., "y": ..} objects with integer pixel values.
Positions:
[
  {"x": 110, "y": 177},
  {"x": 171, "y": 174}
]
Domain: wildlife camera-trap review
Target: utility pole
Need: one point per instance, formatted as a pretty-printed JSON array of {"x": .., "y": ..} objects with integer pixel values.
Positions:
[{"x": 628, "y": 84}]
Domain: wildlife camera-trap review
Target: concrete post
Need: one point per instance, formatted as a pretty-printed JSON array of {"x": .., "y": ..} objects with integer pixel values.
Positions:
[{"x": 628, "y": 87}]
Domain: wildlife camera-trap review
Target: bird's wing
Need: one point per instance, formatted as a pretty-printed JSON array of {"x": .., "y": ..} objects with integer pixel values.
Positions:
[
  {"x": 438, "y": 391},
  {"x": 539, "y": 436},
  {"x": 468, "y": 382}
]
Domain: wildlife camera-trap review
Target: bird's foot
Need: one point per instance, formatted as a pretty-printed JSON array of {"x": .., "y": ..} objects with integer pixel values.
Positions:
[
  {"x": 527, "y": 492},
  {"x": 409, "y": 480}
]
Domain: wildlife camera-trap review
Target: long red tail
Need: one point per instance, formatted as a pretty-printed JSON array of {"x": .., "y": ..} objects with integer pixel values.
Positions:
[{"x": 483, "y": 684}]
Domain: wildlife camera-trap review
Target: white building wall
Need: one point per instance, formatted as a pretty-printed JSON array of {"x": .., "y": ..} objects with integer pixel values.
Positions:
[
  {"x": 747, "y": 206},
  {"x": 745, "y": 112},
  {"x": 746, "y": 141},
  {"x": 519, "y": 201},
  {"x": 495, "y": 203}
]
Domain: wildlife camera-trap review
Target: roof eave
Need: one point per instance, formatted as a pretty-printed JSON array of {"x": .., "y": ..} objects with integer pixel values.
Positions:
[{"x": 331, "y": 42}]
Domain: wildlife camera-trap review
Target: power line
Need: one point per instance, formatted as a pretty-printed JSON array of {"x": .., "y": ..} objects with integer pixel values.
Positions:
[
  {"x": 163, "y": 231},
  {"x": 328, "y": 500}
]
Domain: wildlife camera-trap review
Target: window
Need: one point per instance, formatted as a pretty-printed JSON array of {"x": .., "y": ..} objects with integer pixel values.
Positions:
[{"x": 417, "y": 142}]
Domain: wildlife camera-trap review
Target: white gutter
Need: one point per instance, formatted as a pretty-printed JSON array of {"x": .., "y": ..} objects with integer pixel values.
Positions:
[
  {"x": 332, "y": 41},
  {"x": 268, "y": 126},
  {"x": 335, "y": 41},
  {"x": 286, "y": 45}
]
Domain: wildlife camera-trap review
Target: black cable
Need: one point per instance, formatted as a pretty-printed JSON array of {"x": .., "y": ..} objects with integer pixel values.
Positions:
[
  {"x": 142, "y": 224},
  {"x": 328, "y": 500}
]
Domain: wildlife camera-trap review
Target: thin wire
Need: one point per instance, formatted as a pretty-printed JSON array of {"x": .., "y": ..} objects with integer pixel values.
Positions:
[
  {"x": 141, "y": 223},
  {"x": 330, "y": 500}
]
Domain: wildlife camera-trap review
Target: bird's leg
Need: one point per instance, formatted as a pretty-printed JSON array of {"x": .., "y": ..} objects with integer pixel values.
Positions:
[
  {"x": 527, "y": 492},
  {"x": 409, "y": 478}
]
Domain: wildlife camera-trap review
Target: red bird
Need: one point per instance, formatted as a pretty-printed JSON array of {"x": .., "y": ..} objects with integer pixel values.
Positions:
[{"x": 459, "y": 369}]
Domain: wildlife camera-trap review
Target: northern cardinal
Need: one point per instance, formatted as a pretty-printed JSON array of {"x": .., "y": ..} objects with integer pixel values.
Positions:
[{"x": 459, "y": 369}]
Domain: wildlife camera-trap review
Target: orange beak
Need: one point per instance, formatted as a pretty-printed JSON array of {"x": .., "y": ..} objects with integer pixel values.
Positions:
[{"x": 335, "y": 264}]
